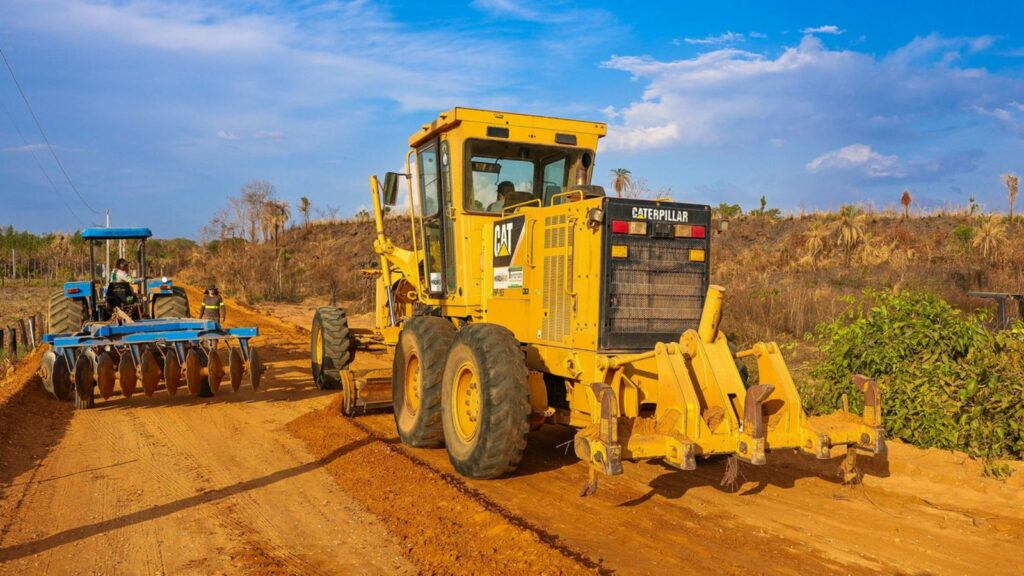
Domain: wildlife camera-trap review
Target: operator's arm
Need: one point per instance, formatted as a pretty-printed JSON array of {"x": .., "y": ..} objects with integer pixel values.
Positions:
[{"x": 122, "y": 276}]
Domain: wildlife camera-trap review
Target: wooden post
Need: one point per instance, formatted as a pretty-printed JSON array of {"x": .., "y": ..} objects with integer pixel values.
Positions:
[
  {"x": 31, "y": 333},
  {"x": 12, "y": 341},
  {"x": 24, "y": 333},
  {"x": 3, "y": 333}
]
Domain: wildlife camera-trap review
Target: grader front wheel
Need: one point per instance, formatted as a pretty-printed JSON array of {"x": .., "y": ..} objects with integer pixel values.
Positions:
[
  {"x": 486, "y": 403},
  {"x": 416, "y": 380},
  {"x": 331, "y": 347}
]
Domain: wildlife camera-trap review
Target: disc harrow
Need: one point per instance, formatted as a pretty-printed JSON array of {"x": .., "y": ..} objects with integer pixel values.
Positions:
[{"x": 106, "y": 358}]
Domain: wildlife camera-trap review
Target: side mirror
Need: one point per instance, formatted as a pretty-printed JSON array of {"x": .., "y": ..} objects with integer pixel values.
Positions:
[{"x": 390, "y": 188}]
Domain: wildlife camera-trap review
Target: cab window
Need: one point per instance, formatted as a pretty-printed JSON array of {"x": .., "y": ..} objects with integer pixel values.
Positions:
[{"x": 500, "y": 174}]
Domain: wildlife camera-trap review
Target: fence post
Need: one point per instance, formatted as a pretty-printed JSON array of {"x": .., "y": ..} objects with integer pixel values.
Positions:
[
  {"x": 24, "y": 333},
  {"x": 40, "y": 328},
  {"x": 3, "y": 333},
  {"x": 12, "y": 341},
  {"x": 31, "y": 333}
]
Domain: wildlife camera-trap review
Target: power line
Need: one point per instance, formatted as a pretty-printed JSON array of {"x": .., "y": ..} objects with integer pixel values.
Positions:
[
  {"x": 40, "y": 164},
  {"x": 43, "y": 133}
]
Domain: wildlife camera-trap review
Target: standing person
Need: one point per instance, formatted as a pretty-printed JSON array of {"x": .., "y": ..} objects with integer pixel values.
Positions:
[{"x": 213, "y": 306}]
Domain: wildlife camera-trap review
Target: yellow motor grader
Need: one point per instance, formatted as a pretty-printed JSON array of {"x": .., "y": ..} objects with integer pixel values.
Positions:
[{"x": 529, "y": 296}]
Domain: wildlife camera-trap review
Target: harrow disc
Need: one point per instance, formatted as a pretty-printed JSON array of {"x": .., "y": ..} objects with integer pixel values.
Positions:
[
  {"x": 151, "y": 372},
  {"x": 61, "y": 377},
  {"x": 85, "y": 381},
  {"x": 194, "y": 371},
  {"x": 127, "y": 376},
  {"x": 255, "y": 369},
  {"x": 214, "y": 371},
  {"x": 106, "y": 374},
  {"x": 236, "y": 366},
  {"x": 172, "y": 372},
  {"x": 49, "y": 359}
]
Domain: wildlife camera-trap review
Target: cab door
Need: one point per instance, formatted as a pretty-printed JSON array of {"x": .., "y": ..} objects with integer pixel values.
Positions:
[{"x": 436, "y": 221}]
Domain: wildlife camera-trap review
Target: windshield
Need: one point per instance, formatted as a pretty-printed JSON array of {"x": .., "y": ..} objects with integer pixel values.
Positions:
[{"x": 506, "y": 173}]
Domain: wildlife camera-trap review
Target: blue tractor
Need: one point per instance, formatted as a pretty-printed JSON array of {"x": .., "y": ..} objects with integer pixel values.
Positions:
[{"x": 105, "y": 332}]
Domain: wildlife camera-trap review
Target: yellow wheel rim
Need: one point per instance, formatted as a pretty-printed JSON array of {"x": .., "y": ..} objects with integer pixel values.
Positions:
[
  {"x": 319, "y": 352},
  {"x": 466, "y": 402},
  {"x": 413, "y": 385}
]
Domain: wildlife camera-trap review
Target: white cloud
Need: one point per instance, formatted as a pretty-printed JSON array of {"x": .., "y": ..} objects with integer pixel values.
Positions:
[
  {"x": 227, "y": 135},
  {"x": 624, "y": 138},
  {"x": 757, "y": 35},
  {"x": 268, "y": 135},
  {"x": 777, "y": 142},
  {"x": 733, "y": 96},
  {"x": 723, "y": 38},
  {"x": 24, "y": 148},
  {"x": 827, "y": 29},
  {"x": 860, "y": 158}
]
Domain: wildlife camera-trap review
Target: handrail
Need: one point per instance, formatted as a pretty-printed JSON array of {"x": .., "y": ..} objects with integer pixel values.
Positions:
[
  {"x": 568, "y": 193},
  {"x": 509, "y": 209}
]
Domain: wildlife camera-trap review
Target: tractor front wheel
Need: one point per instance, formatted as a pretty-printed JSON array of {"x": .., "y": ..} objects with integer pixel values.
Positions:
[
  {"x": 416, "y": 380},
  {"x": 486, "y": 401}
]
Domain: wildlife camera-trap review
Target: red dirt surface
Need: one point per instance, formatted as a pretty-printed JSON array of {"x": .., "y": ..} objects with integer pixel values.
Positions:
[{"x": 277, "y": 482}]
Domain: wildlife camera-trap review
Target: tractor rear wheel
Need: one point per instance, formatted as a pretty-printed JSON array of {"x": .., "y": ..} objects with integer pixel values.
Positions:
[
  {"x": 65, "y": 314},
  {"x": 416, "y": 380},
  {"x": 331, "y": 347},
  {"x": 173, "y": 305},
  {"x": 486, "y": 401}
]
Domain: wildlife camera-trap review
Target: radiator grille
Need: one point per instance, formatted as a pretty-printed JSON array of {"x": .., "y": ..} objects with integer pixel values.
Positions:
[
  {"x": 555, "y": 324},
  {"x": 655, "y": 294}
]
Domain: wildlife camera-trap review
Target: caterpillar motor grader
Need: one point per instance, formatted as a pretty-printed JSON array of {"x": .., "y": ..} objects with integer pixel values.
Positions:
[{"x": 529, "y": 296}]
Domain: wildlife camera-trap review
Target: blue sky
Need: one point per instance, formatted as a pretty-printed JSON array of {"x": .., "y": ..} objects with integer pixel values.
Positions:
[{"x": 159, "y": 110}]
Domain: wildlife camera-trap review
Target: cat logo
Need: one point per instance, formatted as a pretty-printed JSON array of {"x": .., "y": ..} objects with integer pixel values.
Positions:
[
  {"x": 507, "y": 234},
  {"x": 502, "y": 239}
]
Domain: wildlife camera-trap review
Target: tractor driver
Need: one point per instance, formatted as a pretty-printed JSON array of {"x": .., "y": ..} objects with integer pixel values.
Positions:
[
  {"x": 120, "y": 273},
  {"x": 504, "y": 189},
  {"x": 213, "y": 305}
]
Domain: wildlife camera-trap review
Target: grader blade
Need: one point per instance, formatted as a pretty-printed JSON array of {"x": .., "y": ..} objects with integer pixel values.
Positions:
[
  {"x": 127, "y": 376},
  {"x": 151, "y": 372},
  {"x": 106, "y": 375},
  {"x": 235, "y": 369},
  {"x": 255, "y": 369},
  {"x": 172, "y": 372},
  {"x": 215, "y": 371},
  {"x": 194, "y": 371}
]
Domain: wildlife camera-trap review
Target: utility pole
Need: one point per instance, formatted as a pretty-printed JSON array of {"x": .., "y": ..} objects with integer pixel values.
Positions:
[
  {"x": 14, "y": 270},
  {"x": 106, "y": 271}
]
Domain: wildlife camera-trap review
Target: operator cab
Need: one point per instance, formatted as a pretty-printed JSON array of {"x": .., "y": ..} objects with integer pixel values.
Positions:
[{"x": 118, "y": 294}]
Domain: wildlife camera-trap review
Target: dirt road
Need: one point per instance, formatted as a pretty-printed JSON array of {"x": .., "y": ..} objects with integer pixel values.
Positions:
[{"x": 277, "y": 482}]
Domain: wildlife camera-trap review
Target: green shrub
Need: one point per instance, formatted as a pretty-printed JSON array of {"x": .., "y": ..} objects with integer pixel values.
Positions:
[{"x": 947, "y": 381}]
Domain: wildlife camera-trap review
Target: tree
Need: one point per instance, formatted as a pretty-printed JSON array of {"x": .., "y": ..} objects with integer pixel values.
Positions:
[
  {"x": 850, "y": 229},
  {"x": 305, "y": 207},
  {"x": 906, "y": 201},
  {"x": 1012, "y": 183},
  {"x": 621, "y": 179},
  {"x": 636, "y": 188},
  {"x": 990, "y": 237},
  {"x": 816, "y": 234},
  {"x": 250, "y": 206}
]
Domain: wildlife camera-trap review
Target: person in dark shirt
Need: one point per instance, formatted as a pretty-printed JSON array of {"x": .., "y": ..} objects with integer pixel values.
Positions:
[{"x": 213, "y": 306}]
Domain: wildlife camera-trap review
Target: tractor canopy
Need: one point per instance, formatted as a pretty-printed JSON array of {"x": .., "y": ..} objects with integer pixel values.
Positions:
[{"x": 116, "y": 233}]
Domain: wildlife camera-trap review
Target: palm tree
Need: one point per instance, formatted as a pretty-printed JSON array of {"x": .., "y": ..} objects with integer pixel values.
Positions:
[
  {"x": 304, "y": 208},
  {"x": 906, "y": 201},
  {"x": 815, "y": 240},
  {"x": 990, "y": 237},
  {"x": 1012, "y": 183},
  {"x": 850, "y": 229},
  {"x": 620, "y": 180}
]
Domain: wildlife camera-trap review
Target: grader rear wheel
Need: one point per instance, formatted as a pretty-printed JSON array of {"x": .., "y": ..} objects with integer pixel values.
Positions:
[
  {"x": 485, "y": 400},
  {"x": 416, "y": 379}
]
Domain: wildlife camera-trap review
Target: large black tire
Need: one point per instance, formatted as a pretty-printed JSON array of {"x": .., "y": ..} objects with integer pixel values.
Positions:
[
  {"x": 173, "y": 305},
  {"x": 485, "y": 429},
  {"x": 416, "y": 380},
  {"x": 331, "y": 347},
  {"x": 65, "y": 314}
]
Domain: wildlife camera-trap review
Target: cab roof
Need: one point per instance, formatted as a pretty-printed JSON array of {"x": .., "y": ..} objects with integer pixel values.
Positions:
[
  {"x": 455, "y": 116},
  {"x": 116, "y": 233}
]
